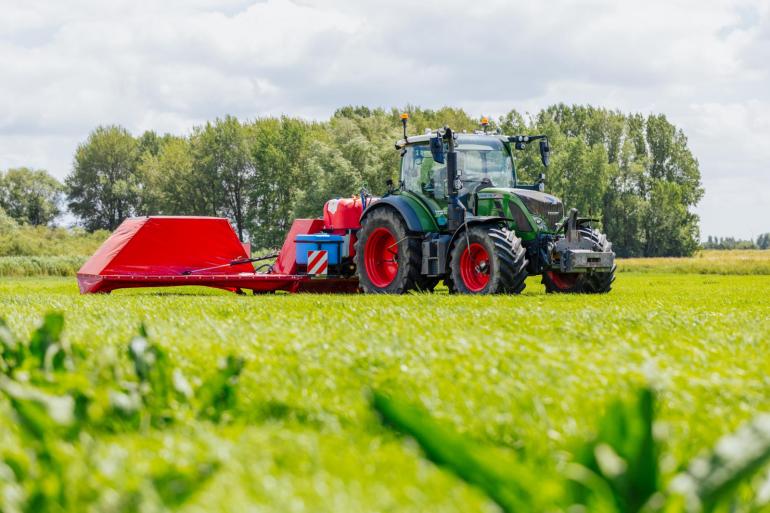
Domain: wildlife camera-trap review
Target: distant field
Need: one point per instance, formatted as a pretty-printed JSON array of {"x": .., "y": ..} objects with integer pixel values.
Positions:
[
  {"x": 529, "y": 372},
  {"x": 746, "y": 261}
]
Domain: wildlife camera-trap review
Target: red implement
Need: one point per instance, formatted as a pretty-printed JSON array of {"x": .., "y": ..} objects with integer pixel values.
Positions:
[{"x": 161, "y": 252}]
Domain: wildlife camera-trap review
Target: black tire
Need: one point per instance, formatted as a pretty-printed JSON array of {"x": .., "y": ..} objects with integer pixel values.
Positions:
[
  {"x": 407, "y": 253},
  {"x": 506, "y": 262},
  {"x": 583, "y": 283}
]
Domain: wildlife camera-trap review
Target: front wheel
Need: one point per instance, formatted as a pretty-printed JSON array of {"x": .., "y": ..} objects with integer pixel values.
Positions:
[
  {"x": 487, "y": 260},
  {"x": 592, "y": 282},
  {"x": 577, "y": 283}
]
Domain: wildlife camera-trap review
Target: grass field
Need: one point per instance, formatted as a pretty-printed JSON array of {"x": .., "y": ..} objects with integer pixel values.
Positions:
[{"x": 530, "y": 372}]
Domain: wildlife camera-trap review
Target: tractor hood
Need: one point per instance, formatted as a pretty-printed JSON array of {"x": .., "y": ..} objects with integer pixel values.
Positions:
[{"x": 547, "y": 207}]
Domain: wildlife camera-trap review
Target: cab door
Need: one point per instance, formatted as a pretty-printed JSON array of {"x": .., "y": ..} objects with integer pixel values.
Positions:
[{"x": 425, "y": 178}]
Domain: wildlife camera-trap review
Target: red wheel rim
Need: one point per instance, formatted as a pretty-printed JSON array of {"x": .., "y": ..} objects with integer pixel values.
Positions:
[
  {"x": 474, "y": 267},
  {"x": 563, "y": 281},
  {"x": 381, "y": 257}
]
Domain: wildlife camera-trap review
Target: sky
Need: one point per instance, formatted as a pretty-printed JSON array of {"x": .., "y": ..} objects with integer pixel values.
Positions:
[{"x": 67, "y": 67}]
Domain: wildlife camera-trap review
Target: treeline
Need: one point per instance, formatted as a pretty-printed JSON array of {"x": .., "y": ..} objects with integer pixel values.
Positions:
[
  {"x": 634, "y": 172},
  {"x": 29, "y": 196},
  {"x": 762, "y": 242}
]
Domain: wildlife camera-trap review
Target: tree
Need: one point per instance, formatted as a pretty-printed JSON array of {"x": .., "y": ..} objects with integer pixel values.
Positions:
[
  {"x": 103, "y": 188},
  {"x": 731, "y": 243},
  {"x": 149, "y": 142},
  {"x": 30, "y": 196},
  {"x": 170, "y": 183},
  {"x": 579, "y": 176},
  {"x": 624, "y": 204},
  {"x": 763, "y": 241},
  {"x": 279, "y": 151},
  {"x": 221, "y": 154},
  {"x": 333, "y": 177},
  {"x": 669, "y": 228},
  {"x": 359, "y": 137},
  {"x": 7, "y": 223}
]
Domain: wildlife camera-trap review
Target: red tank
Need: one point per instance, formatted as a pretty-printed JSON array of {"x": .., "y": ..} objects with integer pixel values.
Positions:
[{"x": 342, "y": 214}]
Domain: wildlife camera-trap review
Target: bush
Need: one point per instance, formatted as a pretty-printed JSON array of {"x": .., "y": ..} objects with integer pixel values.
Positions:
[{"x": 23, "y": 240}]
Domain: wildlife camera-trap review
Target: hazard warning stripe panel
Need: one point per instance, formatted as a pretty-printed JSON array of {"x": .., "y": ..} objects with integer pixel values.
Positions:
[{"x": 317, "y": 262}]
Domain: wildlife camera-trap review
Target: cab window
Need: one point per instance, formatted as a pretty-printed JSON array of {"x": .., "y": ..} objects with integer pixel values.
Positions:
[{"x": 421, "y": 174}]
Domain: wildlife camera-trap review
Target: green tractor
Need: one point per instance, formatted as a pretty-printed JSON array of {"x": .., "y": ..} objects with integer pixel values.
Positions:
[{"x": 460, "y": 215}]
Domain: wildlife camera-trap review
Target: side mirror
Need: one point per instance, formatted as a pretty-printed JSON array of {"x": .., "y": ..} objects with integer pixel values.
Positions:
[
  {"x": 545, "y": 152},
  {"x": 437, "y": 149}
]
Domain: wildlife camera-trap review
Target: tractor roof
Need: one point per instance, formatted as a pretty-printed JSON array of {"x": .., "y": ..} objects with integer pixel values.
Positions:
[{"x": 461, "y": 137}]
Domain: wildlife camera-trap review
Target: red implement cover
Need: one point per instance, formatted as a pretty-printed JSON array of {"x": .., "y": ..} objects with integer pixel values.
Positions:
[{"x": 164, "y": 246}]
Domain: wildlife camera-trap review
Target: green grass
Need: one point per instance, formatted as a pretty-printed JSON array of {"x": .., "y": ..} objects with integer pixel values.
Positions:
[{"x": 530, "y": 372}]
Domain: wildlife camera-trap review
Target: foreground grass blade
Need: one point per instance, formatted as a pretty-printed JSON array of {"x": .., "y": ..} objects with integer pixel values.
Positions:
[
  {"x": 709, "y": 481},
  {"x": 505, "y": 483},
  {"x": 624, "y": 454},
  {"x": 46, "y": 335}
]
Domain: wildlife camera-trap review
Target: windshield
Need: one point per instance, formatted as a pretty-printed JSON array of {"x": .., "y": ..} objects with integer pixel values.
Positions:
[{"x": 484, "y": 157}]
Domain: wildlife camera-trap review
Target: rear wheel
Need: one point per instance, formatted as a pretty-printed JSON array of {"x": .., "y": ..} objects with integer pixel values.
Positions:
[
  {"x": 489, "y": 260},
  {"x": 588, "y": 283},
  {"x": 387, "y": 256}
]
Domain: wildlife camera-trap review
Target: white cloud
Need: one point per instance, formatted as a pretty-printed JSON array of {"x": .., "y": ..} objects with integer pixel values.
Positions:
[{"x": 66, "y": 67}]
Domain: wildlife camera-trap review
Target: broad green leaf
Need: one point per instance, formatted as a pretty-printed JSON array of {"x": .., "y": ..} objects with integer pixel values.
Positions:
[
  {"x": 217, "y": 394},
  {"x": 11, "y": 351},
  {"x": 513, "y": 486},
  {"x": 45, "y": 337},
  {"x": 175, "y": 484},
  {"x": 156, "y": 377},
  {"x": 624, "y": 454},
  {"x": 40, "y": 414}
]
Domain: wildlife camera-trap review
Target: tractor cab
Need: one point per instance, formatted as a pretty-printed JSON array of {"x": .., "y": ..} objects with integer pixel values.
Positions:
[
  {"x": 482, "y": 161},
  {"x": 486, "y": 183}
]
